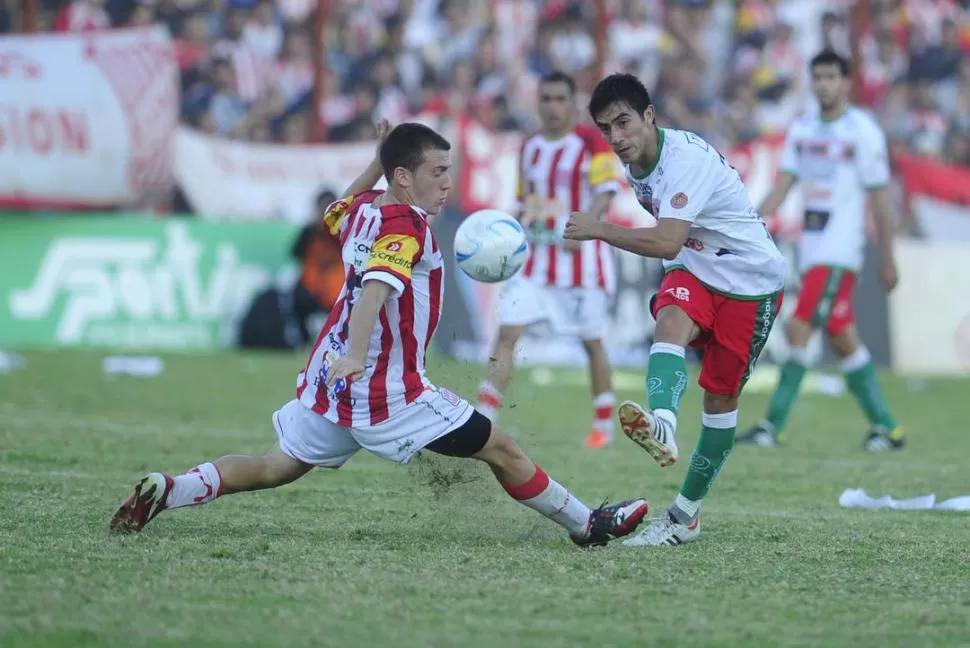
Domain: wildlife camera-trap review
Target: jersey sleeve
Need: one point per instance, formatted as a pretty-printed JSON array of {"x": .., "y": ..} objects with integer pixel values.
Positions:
[
  {"x": 397, "y": 248},
  {"x": 335, "y": 217},
  {"x": 602, "y": 175},
  {"x": 873, "y": 158},
  {"x": 789, "y": 154},
  {"x": 520, "y": 179}
]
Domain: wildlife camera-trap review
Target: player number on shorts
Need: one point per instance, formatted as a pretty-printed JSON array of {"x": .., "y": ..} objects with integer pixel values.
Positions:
[{"x": 578, "y": 300}]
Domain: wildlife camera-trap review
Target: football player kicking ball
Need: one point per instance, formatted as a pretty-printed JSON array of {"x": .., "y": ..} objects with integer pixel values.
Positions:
[
  {"x": 721, "y": 291},
  {"x": 839, "y": 156},
  {"x": 364, "y": 385},
  {"x": 564, "y": 167}
]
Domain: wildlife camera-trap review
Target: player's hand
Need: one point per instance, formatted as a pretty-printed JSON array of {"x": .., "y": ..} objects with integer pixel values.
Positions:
[
  {"x": 889, "y": 276},
  {"x": 582, "y": 227},
  {"x": 572, "y": 246},
  {"x": 526, "y": 217},
  {"x": 383, "y": 127},
  {"x": 344, "y": 367}
]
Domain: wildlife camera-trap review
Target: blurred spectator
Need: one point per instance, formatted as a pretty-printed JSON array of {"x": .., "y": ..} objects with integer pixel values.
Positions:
[{"x": 729, "y": 69}]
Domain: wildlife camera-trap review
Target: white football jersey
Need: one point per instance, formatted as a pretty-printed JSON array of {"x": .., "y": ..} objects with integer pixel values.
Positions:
[
  {"x": 837, "y": 162},
  {"x": 729, "y": 247}
]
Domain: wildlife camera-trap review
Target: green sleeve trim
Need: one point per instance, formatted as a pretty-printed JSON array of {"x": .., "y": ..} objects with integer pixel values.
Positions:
[{"x": 877, "y": 186}]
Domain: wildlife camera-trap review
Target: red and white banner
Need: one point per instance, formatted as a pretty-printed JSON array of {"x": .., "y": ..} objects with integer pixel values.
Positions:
[
  {"x": 86, "y": 120},
  {"x": 938, "y": 195}
]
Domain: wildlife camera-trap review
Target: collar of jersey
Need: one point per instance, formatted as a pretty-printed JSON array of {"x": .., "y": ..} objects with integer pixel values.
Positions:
[{"x": 656, "y": 158}]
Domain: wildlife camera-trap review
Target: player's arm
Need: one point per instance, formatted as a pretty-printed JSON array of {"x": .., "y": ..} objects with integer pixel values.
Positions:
[
  {"x": 783, "y": 185},
  {"x": 662, "y": 242},
  {"x": 603, "y": 179},
  {"x": 363, "y": 318},
  {"x": 396, "y": 250},
  {"x": 874, "y": 174},
  {"x": 684, "y": 196},
  {"x": 881, "y": 213},
  {"x": 786, "y": 178},
  {"x": 372, "y": 174},
  {"x": 603, "y": 182},
  {"x": 521, "y": 212}
]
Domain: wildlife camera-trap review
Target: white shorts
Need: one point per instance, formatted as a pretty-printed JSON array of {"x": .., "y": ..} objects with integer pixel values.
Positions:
[
  {"x": 573, "y": 312},
  {"x": 313, "y": 439}
]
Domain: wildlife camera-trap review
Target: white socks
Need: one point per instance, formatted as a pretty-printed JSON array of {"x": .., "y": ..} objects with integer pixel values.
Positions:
[
  {"x": 200, "y": 485},
  {"x": 550, "y": 498}
]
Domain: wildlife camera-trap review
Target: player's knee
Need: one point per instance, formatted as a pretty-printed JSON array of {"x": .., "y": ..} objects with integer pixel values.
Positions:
[
  {"x": 719, "y": 403},
  {"x": 277, "y": 469},
  {"x": 674, "y": 326},
  {"x": 594, "y": 347},
  {"x": 798, "y": 332},
  {"x": 501, "y": 450},
  {"x": 845, "y": 342}
]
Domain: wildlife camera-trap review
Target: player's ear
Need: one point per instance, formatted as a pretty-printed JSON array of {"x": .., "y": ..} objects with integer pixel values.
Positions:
[
  {"x": 402, "y": 177},
  {"x": 650, "y": 114}
]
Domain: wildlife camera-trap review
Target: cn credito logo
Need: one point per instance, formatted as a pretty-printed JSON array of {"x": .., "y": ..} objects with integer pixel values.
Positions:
[{"x": 961, "y": 342}]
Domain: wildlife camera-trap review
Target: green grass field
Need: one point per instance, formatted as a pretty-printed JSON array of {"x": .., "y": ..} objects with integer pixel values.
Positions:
[{"x": 435, "y": 554}]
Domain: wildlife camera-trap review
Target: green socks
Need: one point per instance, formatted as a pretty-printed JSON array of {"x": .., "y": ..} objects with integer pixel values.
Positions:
[
  {"x": 713, "y": 448},
  {"x": 782, "y": 400},
  {"x": 666, "y": 377},
  {"x": 860, "y": 377}
]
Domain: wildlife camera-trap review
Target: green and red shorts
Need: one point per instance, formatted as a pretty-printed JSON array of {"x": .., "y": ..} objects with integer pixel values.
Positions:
[
  {"x": 825, "y": 300},
  {"x": 734, "y": 330}
]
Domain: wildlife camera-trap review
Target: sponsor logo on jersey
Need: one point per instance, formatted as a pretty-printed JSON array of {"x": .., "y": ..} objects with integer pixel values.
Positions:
[{"x": 394, "y": 252}]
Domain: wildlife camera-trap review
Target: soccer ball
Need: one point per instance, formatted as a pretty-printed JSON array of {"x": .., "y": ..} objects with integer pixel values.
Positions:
[{"x": 490, "y": 246}]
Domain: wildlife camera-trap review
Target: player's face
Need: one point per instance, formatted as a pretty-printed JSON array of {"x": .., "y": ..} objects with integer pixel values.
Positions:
[
  {"x": 556, "y": 106},
  {"x": 428, "y": 186},
  {"x": 627, "y": 132},
  {"x": 829, "y": 86}
]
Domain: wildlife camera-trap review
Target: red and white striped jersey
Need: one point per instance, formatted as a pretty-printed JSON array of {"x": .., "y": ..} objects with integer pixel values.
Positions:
[
  {"x": 557, "y": 177},
  {"x": 395, "y": 245}
]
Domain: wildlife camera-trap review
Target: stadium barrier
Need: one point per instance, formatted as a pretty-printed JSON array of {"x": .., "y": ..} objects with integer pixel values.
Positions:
[
  {"x": 930, "y": 308},
  {"x": 133, "y": 283}
]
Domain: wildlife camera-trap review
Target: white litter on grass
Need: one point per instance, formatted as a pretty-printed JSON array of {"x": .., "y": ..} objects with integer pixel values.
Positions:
[
  {"x": 139, "y": 366},
  {"x": 858, "y": 498},
  {"x": 11, "y": 362}
]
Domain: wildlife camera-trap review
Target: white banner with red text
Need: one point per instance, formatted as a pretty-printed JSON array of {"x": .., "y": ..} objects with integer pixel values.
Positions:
[
  {"x": 231, "y": 180},
  {"x": 86, "y": 120}
]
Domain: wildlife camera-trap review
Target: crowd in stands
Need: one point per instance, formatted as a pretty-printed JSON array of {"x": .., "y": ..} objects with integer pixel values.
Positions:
[{"x": 730, "y": 70}]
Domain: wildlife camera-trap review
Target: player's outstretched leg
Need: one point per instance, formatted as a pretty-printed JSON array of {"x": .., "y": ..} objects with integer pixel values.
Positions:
[
  {"x": 861, "y": 379},
  {"x": 603, "y": 401},
  {"x": 499, "y": 372},
  {"x": 156, "y": 492},
  {"x": 681, "y": 522},
  {"x": 529, "y": 484}
]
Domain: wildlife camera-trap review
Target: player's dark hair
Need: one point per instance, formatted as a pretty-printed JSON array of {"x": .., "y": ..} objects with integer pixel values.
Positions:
[
  {"x": 406, "y": 145},
  {"x": 619, "y": 88},
  {"x": 831, "y": 57},
  {"x": 557, "y": 76}
]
